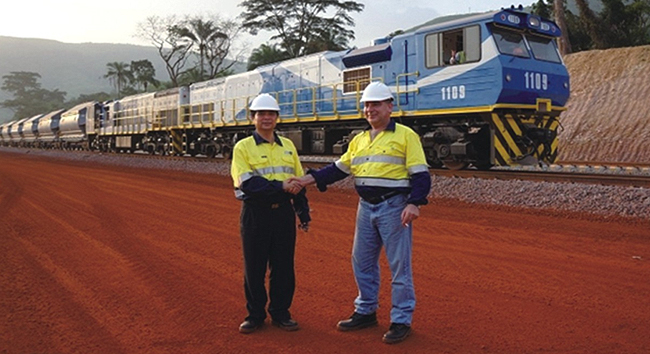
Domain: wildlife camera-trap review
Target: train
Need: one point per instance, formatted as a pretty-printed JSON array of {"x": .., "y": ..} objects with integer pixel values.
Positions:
[{"x": 483, "y": 90}]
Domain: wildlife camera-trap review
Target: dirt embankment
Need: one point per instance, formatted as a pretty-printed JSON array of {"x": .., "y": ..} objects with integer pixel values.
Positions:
[{"x": 607, "y": 115}]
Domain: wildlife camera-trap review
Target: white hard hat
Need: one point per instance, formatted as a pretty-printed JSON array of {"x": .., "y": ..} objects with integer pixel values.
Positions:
[
  {"x": 376, "y": 91},
  {"x": 265, "y": 102}
]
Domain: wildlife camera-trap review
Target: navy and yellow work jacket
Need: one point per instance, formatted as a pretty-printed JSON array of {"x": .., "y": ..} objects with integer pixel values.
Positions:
[
  {"x": 259, "y": 167},
  {"x": 393, "y": 161}
]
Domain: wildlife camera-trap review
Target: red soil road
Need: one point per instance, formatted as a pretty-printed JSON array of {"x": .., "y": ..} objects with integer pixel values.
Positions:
[{"x": 105, "y": 259}]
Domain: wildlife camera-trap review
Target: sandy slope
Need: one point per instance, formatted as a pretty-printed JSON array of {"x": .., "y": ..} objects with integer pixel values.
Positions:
[{"x": 608, "y": 112}]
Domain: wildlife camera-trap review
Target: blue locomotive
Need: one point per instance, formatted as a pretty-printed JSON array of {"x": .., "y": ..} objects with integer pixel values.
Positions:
[{"x": 485, "y": 90}]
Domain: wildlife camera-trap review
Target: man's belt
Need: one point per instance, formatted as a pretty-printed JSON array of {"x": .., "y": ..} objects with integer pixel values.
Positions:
[
  {"x": 381, "y": 198},
  {"x": 266, "y": 204}
]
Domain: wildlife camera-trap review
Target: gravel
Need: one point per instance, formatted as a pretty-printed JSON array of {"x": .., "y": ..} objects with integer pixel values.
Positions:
[{"x": 597, "y": 200}]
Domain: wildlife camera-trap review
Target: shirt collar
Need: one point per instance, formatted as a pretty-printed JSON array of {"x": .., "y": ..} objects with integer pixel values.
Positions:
[
  {"x": 389, "y": 127},
  {"x": 259, "y": 140}
]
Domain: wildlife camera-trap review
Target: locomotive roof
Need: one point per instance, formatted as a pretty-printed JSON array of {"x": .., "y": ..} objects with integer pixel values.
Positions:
[{"x": 491, "y": 16}]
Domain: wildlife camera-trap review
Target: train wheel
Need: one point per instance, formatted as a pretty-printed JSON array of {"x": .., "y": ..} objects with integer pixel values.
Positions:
[
  {"x": 456, "y": 165},
  {"x": 482, "y": 166},
  {"x": 434, "y": 163},
  {"x": 226, "y": 152},
  {"x": 211, "y": 152}
]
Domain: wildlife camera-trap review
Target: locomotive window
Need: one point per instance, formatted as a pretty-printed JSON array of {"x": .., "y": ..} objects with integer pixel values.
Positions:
[
  {"x": 432, "y": 50},
  {"x": 510, "y": 42},
  {"x": 472, "y": 44},
  {"x": 457, "y": 46},
  {"x": 543, "y": 48},
  {"x": 356, "y": 77}
]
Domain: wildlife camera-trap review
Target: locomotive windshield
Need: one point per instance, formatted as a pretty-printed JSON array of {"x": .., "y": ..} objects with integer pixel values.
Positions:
[
  {"x": 514, "y": 43},
  {"x": 510, "y": 42},
  {"x": 543, "y": 48}
]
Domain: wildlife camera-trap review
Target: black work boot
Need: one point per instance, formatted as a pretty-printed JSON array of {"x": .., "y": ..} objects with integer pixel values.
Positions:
[
  {"x": 397, "y": 333},
  {"x": 250, "y": 326},
  {"x": 357, "y": 321}
]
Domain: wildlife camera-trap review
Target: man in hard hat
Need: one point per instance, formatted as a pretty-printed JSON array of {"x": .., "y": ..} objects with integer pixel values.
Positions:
[
  {"x": 392, "y": 178},
  {"x": 261, "y": 167}
]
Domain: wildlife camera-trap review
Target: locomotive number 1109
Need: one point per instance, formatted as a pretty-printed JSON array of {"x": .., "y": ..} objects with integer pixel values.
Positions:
[
  {"x": 536, "y": 81},
  {"x": 453, "y": 92}
]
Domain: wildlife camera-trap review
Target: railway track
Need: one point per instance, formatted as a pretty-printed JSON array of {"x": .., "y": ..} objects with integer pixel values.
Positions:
[
  {"x": 609, "y": 173},
  {"x": 630, "y": 180}
]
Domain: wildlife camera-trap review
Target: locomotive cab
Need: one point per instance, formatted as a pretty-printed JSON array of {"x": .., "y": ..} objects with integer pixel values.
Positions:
[{"x": 491, "y": 86}]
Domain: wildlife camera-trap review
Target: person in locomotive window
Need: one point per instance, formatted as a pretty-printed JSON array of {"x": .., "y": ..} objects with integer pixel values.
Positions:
[
  {"x": 262, "y": 165},
  {"x": 519, "y": 51},
  {"x": 457, "y": 57},
  {"x": 392, "y": 178}
]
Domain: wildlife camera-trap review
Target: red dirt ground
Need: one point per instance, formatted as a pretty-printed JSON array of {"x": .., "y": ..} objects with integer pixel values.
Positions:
[{"x": 106, "y": 259}]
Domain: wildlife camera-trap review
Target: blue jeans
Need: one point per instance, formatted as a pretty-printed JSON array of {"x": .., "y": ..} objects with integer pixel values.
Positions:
[{"x": 380, "y": 225}]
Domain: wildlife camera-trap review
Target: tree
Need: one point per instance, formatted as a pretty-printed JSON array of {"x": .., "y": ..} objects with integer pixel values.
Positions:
[
  {"x": 620, "y": 23},
  {"x": 201, "y": 33},
  {"x": 627, "y": 22},
  {"x": 143, "y": 74},
  {"x": 559, "y": 8},
  {"x": 29, "y": 98},
  {"x": 119, "y": 74},
  {"x": 297, "y": 23},
  {"x": 190, "y": 76},
  {"x": 555, "y": 10},
  {"x": 166, "y": 34},
  {"x": 213, "y": 39},
  {"x": 266, "y": 54},
  {"x": 328, "y": 39}
]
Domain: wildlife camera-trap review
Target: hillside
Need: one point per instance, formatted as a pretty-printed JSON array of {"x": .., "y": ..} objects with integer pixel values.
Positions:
[
  {"x": 73, "y": 68},
  {"x": 607, "y": 115}
]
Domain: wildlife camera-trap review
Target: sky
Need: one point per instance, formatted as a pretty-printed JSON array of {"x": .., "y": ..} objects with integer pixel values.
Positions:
[{"x": 116, "y": 21}]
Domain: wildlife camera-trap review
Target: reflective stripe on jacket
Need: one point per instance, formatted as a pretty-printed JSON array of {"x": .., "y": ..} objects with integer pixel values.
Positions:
[
  {"x": 386, "y": 161},
  {"x": 274, "y": 162}
]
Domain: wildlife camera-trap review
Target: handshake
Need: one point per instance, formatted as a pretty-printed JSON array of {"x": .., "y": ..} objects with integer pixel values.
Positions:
[{"x": 294, "y": 185}]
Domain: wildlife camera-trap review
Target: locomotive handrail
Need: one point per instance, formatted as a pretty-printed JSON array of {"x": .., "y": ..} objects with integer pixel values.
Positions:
[
  {"x": 407, "y": 91},
  {"x": 222, "y": 113}
]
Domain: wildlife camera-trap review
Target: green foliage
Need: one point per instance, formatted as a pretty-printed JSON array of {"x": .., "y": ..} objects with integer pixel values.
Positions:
[
  {"x": 29, "y": 98},
  {"x": 543, "y": 9},
  {"x": 266, "y": 54},
  {"x": 143, "y": 74},
  {"x": 119, "y": 74},
  {"x": 208, "y": 40},
  {"x": 300, "y": 25},
  {"x": 204, "y": 35},
  {"x": 619, "y": 24}
]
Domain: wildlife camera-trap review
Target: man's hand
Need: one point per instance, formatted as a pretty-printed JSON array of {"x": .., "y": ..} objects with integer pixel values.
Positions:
[
  {"x": 410, "y": 213},
  {"x": 305, "y": 180},
  {"x": 292, "y": 185},
  {"x": 304, "y": 226}
]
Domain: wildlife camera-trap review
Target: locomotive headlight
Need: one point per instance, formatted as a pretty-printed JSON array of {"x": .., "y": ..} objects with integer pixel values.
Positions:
[
  {"x": 508, "y": 77},
  {"x": 566, "y": 85},
  {"x": 533, "y": 22}
]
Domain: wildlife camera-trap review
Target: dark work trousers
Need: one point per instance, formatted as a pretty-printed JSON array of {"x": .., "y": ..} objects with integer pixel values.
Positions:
[{"x": 268, "y": 233}]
